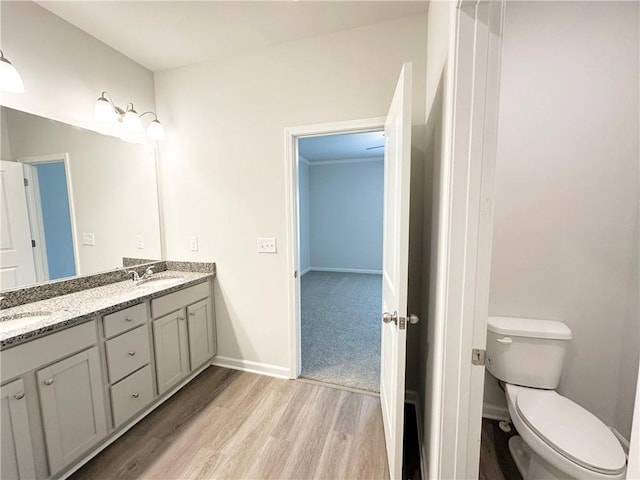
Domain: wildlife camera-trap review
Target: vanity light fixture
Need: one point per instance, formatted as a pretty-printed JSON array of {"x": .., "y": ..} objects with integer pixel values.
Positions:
[
  {"x": 106, "y": 111},
  {"x": 10, "y": 80}
]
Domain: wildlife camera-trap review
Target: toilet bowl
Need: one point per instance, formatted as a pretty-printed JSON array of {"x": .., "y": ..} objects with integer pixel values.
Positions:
[{"x": 558, "y": 439}]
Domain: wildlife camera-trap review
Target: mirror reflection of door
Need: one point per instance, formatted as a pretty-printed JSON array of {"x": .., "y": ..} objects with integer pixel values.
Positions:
[
  {"x": 50, "y": 219},
  {"x": 16, "y": 258}
]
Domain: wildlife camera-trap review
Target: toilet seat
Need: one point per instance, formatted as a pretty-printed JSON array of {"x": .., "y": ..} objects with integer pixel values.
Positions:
[{"x": 570, "y": 430}]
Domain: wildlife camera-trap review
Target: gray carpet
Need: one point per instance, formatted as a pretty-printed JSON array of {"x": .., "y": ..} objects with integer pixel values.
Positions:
[{"x": 341, "y": 328}]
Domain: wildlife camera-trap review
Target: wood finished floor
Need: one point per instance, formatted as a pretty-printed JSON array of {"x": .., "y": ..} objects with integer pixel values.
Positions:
[
  {"x": 495, "y": 460},
  {"x": 238, "y": 425}
]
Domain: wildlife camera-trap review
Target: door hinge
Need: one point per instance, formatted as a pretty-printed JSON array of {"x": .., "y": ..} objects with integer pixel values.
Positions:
[
  {"x": 26, "y": 182},
  {"x": 33, "y": 243},
  {"x": 477, "y": 356},
  {"x": 295, "y": 274}
]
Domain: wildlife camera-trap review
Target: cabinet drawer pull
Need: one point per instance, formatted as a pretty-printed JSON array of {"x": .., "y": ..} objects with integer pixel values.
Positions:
[
  {"x": 49, "y": 381},
  {"x": 128, "y": 319},
  {"x": 193, "y": 314},
  {"x": 180, "y": 318},
  {"x": 132, "y": 353},
  {"x": 19, "y": 396},
  {"x": 135, "y": 394}
]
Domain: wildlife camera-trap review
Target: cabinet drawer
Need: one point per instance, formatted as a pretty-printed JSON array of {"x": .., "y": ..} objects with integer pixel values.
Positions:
[
  {"x": 126, "y": 319},
  {"x": 173, "y": 301},
  {"x": 131, "y": 395},
  {"x": 127, "y": 353}
]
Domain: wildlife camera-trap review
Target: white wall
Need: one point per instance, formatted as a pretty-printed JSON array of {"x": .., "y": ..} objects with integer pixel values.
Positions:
[
  {"x": 345, "y": 213},
  {"x": 224, "y": 169},
  {"x": 113, "y": 187},
  {"x": 64, "y": 69},
  {"x": 566, "y": 211},
  {"x": 303, "y": 209}
]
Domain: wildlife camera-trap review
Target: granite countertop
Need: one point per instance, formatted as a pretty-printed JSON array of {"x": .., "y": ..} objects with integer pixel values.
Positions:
[{"x": 84, "y": 305}]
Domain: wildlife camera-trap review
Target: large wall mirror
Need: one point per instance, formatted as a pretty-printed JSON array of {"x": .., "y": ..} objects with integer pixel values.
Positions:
[{"x": 72, "y": 201}]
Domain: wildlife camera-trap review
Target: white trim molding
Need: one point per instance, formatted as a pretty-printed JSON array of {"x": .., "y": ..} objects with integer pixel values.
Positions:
[
  {"x": 343, "y": 270},
  {"x": 495, "y": 412},
  {"x": 464, "y": 237},
  {"x": 249, "y": 366},
  {"x": 321, "y": 163}
]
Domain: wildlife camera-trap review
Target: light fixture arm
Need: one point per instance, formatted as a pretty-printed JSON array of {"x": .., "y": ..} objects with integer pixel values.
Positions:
[
  {"x": 155, "y": 117},
  {"x": 129, "y": 117},
  {"x": 107, "y": 97}
]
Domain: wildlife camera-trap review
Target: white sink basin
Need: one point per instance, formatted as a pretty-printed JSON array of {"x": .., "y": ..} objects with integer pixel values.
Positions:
[
  {"x": 21, "y": 320},
  {"x": 160, "y": 281}
]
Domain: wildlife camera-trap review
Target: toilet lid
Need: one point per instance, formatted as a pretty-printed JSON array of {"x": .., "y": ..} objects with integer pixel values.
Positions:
[{"x": 571, "y": 430}]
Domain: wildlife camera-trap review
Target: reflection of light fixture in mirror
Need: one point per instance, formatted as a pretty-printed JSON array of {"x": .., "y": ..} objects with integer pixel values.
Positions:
[
  {"x": 106, "y": 111},
  {"x": 10, "y": 80}
]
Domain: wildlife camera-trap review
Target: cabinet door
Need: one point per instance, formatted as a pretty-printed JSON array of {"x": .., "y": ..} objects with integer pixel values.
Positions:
[
  {"x": 17, "y": 453},
  {"x": 201, "y": 336},
  {"x": 72, "y": 402},
  {"x": 170, "y": 341}
]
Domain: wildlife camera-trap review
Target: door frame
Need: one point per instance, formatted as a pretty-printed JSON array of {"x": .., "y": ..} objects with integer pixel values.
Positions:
[
  {"x": 291, "y": 135},
  {"x": 465, "y": 235},
  {"x": 34, "y": 207}
]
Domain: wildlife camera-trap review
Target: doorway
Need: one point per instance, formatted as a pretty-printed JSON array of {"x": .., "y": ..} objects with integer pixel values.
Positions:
[
  {"x": 340, "y": 195},
  {"x": 51, "y": 215}
]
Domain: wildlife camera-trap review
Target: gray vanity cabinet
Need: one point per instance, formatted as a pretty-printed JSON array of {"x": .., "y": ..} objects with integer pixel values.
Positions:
[
  {"x": 17, "y": 453},
  {"x": 72, "y": 404},
  {"x": 183, "y": 333},
  {"x": 170, "y": 339},
  {"x": 201, "y": 335}
]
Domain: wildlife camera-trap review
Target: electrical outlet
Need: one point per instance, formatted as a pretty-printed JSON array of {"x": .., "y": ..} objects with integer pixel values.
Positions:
[
  {"x": 267, "y": 245},
  {"x": 88, "y": 239},
  {"x": 193, "y": 244},
  {"x": 139, "y": 242}
]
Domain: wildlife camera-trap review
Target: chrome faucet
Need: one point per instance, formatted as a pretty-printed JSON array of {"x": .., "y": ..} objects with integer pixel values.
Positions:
[
  {"x": 135, "y": 277},
  {"x": 148, "y": 272}
]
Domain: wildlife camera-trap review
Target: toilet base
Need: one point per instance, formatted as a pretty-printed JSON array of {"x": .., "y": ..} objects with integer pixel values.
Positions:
[{"x": 530, "y": 465}]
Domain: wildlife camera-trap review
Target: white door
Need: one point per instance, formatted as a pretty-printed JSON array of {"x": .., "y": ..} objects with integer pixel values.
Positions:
[
  {"x": 395, "y": 263},
  {"x": 16, "y": 256}
]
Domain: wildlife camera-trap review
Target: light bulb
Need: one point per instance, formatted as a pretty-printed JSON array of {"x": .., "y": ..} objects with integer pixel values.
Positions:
[
  {"x": 155, "y": 131},
  {"x": 10, "y": 80},
  {"x": 103, "y": 111},
  {"x": 131, "y": 121}
]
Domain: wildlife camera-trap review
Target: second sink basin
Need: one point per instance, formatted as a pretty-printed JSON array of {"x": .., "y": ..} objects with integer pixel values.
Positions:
[
  {"x": 160, "y": 281},
  {"x": 20, "y": 320}
]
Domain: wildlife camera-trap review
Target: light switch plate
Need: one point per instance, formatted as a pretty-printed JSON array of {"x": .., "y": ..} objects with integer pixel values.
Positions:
[
  {"x": 193, "y": 244},
  {"x": 88, "y": 239},
  {"x": 267, "y": 245},
  {"x": 139, "y": 242}
]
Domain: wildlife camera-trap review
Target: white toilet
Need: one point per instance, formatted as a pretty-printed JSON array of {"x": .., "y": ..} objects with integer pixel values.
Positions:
[{"x": 558, "y": 439}]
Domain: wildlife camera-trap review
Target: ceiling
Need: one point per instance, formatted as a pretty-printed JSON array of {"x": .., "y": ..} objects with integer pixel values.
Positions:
[
  {"x": 341, "y": 147},
  {"x": 162, "y": 35}
]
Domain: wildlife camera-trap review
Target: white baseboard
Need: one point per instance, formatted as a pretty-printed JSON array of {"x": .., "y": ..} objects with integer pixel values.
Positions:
[
  {"x": 495, "y": 412},
  {"x": 344, "y": 270},
  {"x": 306, "y": 270},
  {"x": 623, "y": 441},
  {"x": 252, "y": 367},
  {"x": 411, "y": 396}
]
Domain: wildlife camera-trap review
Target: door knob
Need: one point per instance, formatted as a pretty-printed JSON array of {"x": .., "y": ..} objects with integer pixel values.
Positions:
[
  {"x": 390, "y": 317},
  {"x": 413, "y": 319}
]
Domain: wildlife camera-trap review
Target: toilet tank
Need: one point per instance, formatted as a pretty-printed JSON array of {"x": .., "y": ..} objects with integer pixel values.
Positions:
[{"x": 526, "y": 351}]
